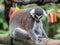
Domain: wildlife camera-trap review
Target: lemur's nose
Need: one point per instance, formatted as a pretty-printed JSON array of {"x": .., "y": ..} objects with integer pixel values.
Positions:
[{"x": 37, "y": 21}]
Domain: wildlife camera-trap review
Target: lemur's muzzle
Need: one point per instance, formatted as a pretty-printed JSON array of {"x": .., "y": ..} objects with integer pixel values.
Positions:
[{"x": 38, "y": 18}]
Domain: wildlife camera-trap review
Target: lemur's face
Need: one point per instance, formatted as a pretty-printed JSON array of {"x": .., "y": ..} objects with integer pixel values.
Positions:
[
  {"x": 37, "y": 18},
  {"x": 37, "y": 13}
]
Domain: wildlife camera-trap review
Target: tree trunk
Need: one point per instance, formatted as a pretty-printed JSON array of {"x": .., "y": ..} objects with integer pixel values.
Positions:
[{"x": 8, "y": 5}]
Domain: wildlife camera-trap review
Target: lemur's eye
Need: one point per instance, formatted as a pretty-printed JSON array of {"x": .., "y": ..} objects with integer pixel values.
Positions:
[{"x": 36, "y": 17}]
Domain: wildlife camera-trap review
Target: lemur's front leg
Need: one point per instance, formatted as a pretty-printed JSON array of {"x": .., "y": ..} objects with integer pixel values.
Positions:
[
  {"x": 42, "y": 29},
  {"x": 35, "y": 33},
  {"x": 34, "y": 37}
]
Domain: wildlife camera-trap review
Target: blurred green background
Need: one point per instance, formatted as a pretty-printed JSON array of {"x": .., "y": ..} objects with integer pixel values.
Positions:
[{"x": 54, "y": 27}]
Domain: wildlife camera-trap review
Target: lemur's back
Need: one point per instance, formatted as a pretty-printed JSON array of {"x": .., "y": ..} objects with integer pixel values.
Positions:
[{"x": 22, "y": 19}]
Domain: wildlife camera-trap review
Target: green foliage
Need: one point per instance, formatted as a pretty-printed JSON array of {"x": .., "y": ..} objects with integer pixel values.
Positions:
[
  {"x": 49, "y": 6},
  {"x": 3, "y": 26},
  {"x": 2, "y": 44},
  {"x": 3, "y": 32},
  {"x": 1, "y": 11},
  {"x": 57, "y": 36},
  {"x": 45, "y": 23},
  {"x": 58, "y": 31},
  {"x": 1, "y": 1},
  {"x": 28, "y": 6},
  {"x": 44, "y": 18}
]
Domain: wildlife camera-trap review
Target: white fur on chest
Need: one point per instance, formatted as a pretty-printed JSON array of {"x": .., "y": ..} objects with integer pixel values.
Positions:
[
  {"x": 37, "y": 27},
  {"x": 37, "y": 32}
]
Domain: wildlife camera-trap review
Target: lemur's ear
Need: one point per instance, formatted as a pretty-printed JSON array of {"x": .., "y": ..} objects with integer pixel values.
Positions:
[
  {"x": 44, "y": 13},
  {"x": 32, "y": 12}
]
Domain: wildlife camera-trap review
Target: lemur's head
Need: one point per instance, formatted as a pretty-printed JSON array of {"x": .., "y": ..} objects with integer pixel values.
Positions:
[{"x": 37, "y": 13}]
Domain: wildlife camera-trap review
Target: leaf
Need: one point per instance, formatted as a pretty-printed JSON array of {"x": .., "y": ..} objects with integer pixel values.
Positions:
[
  {"x": 58, "y": 31},
  {"x": 57, "y": 36},
  {"x": 5, "y": 26}
]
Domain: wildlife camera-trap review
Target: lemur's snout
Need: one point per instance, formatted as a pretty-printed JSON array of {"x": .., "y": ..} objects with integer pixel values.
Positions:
[{"x": 37, "y": 20}]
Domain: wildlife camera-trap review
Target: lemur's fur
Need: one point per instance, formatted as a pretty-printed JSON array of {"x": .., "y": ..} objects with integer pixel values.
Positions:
[{"x": 23, "y": 24}]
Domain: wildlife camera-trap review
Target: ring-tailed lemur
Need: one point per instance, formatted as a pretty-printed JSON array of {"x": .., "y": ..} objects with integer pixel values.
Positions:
[{"x": 25, "y": 24}]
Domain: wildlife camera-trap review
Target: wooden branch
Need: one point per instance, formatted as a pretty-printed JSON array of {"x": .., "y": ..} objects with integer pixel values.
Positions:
[
  {"x": 3, "y": 39},
  {"x": 50, "y": 42}
]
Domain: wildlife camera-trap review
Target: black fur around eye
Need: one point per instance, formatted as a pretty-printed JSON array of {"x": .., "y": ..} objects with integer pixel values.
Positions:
[{"x": 35, "y": 16}]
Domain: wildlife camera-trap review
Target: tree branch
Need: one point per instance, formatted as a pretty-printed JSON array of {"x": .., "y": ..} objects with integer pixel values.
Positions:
[{"x": 3, "y": 39}]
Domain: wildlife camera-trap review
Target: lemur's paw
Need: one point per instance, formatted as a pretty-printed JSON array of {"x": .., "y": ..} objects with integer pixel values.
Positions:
[{"x": 37, "y": 43}]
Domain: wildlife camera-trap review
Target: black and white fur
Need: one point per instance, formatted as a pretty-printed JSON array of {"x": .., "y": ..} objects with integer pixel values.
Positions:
[
  {"x": 35, "y": 32},
  {"x": 38, "y": 30}
]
